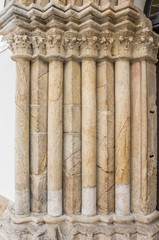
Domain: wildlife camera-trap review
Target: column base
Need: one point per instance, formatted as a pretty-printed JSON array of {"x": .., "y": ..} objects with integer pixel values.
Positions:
[{"x": 78, "y": 227}]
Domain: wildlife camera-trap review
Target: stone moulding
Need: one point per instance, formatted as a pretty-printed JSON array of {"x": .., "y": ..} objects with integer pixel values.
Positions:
[{"x": 114, "y": 50}]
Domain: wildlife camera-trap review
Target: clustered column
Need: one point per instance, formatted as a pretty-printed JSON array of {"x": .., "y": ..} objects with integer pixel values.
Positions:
[{"x": 86, "y": 105}]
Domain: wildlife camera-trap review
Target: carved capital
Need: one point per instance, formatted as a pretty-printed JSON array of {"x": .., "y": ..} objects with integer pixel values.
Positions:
[
  {"x": 39, "y": 44},
  {"x": 146, "y": 45},
  {"x": 20, "y": 44},
  {"x": 71, "y": 43},
  {"x": 125, "y": 41},
  {"x": 89, "y": 44},
  {"x": 105, "y": 42},
  {"x": 54, "y": 43}
]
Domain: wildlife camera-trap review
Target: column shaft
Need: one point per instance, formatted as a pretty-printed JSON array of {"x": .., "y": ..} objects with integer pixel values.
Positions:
[
  {"x": 22, "y": 195},
  {"x": 144, "y": 134},
  {"x": 55, "y": 138},
  {"x": 105, "y": 137},
  {"x": 72, "y": 138},
  {"x": 122, "y": 137},
  {"x": 88, "y": 137},
  {"x": 38, "y": 135}
]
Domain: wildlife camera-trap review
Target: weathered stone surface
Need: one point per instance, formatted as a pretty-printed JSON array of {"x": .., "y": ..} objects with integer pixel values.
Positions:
[
  {"x": 55, "y": 133},
  {"x": 144, "y": 137},
  {"x": 22, "y": 137},
  {"x": 105, "y": 139},
  {"x": 38, "y": 193},
  {"x": 72, "y": 139},
  {"x": 38, "y": 152},
  {"x": 3, "y": 205},
  {"x": 72, "y": 116}
]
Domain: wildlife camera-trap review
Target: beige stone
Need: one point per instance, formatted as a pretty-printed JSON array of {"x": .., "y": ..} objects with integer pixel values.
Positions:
[
  {"x": 38, "y": 152},
  {"x": 122, "y": 137},
  {"x": 72, "y": 139},
  {"x": 144, "y": 139},
  {"x": 72, "y": 118},
  {"x": 55, "y": 125},
  {"x": 105, "y": 86},
  {"x": 72, "y": 83},
  {"x": 124, "y": 1},
  {"x": 55, "y": 133},
  {"x": 88, "y": 123},
  {"x": 105, "y": 137},
  {"x": 39, "y": 83},
  {"x": 72, "y": 196},
  {"x": 42, "y": 2},
  {"x": 38, "y": 193},
  {"x": 72, "y": 154},
  {"x": 38, "y": 118},
  {"x": 3, "y": 205},
  {"x": 22, "y": 135},
  {"x": 122, "y": 122}
]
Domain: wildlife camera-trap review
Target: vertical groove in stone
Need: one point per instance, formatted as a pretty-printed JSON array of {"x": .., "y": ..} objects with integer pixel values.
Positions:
[
  {"x": 105, "y": 137},
  {"x": 22, "y": 195},
  {"x": 72, "y": 138},
  {"x": 38, "y": 135},
  {"x": 88, "y": 137},
  {"x": 55, "y": 138},
  {"x": 122, "y": 137},
  {"x": 144, "y": 131}
]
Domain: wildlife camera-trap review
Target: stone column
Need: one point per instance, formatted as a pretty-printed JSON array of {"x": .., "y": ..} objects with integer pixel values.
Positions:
[
  {"x": 38, "y": 126},
  {"x": 55, "y": 138},
  {"x": 89, "y": 126},
  {"x": 20, "y": 45},
  {"x": 72, "y": 126},
  {"x": 72, "y": 138},
  {"x": 88, "y": 137},
  {"x": 105, "y": 128},
  {"x": 122, "y": 125},
  {"x": 144, "y": 127},
  {"x": 22, "y": 194},
  {"x": 55, "y": 127}
]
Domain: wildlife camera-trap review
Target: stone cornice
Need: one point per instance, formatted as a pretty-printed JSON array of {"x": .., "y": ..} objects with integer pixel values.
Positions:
[{"x": 89, "y": 31}]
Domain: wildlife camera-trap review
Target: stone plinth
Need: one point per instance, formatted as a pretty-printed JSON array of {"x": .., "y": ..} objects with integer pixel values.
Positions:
[{"x": 85, "y": 136}]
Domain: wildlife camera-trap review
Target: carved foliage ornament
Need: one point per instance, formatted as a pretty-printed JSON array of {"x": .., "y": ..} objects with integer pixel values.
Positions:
[{"x": 53, "y": 43}]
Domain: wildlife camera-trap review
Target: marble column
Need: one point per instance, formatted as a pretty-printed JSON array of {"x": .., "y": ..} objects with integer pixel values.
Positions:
[
  {"x": 144, "y": 137},
  {"x": 38, "y": 135},
  {"x": 88, "y": 137},
  {"x": 105, "y": 137},
  {"x": 122, "y": 137},
  {"x": 22, "y": 194},
  {"x": 55, "y": 137},
  {"x": 72, "y": 138}
]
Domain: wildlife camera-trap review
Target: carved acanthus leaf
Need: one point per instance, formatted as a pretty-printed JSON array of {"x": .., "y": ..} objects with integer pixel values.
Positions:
[{"x": 19, "y": 43}]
